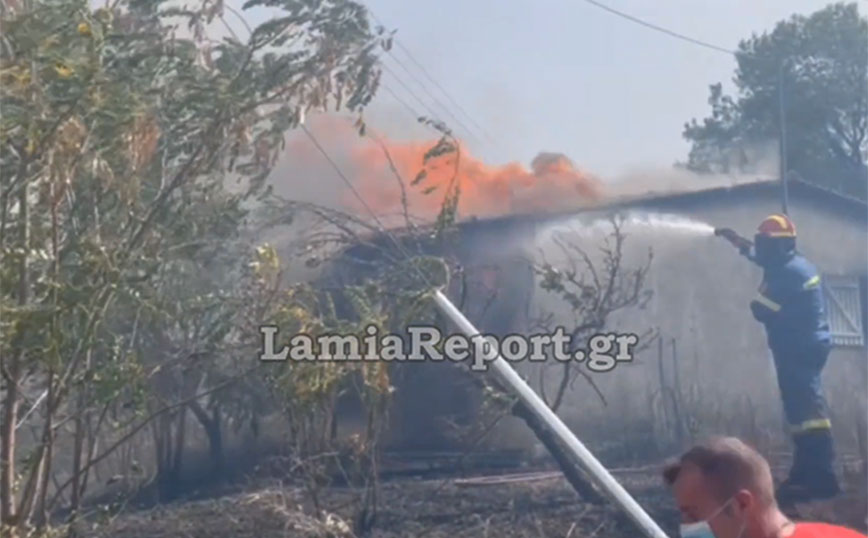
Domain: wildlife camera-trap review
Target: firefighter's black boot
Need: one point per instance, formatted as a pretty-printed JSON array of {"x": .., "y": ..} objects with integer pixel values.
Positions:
[
  {"x": 812, "y": 476},
  {"x": 822, "y": 480}
]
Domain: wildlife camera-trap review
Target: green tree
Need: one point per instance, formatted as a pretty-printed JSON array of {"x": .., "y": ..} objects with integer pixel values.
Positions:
[
  {"x": 117, "y": 141},
  {"x": 816, "y": 69}
]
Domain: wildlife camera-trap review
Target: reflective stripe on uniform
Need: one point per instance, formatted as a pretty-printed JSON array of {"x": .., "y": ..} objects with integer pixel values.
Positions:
[
  {"x": 768, "y": 303},
  {"x": 813, "y": 424},
  {"x": 812, "y": 283}
]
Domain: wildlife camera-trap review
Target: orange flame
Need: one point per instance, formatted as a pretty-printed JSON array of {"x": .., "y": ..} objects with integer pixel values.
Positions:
[{"x": 552, "y": 182}]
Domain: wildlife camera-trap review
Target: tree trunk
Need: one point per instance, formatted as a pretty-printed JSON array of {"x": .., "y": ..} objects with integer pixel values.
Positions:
[
  {"x": 11, "y": 372},
  {"x": 180, "y": 438},
  {"x": 92, "y": 446},
  {"x": 170, "y": 455},
  {"x": 167, "y": 480},
  {"x": 7, "y": 444},
  {"x": 215, "y": 441},
  {"x": 211, "y": 425},
  {"x": 40, "y": 512},
  {"x": 77, "y": 450},
  {"x": 34, "y": 477}
]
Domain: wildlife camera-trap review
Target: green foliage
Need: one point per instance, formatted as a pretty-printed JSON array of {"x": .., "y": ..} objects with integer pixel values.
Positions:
[
  {"x": 122, "y": 241},
  {"x": 819, "y": 64},
  {"x": 388, "y": 300}
]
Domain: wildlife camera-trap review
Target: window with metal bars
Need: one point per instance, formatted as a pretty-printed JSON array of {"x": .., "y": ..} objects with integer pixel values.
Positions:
[{"x": 845, "y": 306}]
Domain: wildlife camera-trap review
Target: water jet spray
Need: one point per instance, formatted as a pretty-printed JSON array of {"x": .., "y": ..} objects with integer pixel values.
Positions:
[{"x": 647, "y": 222}]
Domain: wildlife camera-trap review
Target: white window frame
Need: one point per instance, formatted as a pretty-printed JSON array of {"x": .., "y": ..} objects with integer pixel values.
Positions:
[{"x": 843, "y": 297}]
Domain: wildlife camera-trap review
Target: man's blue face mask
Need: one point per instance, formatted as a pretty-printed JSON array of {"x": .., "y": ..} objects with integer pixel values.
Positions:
[{"x": 701, "y": 529}]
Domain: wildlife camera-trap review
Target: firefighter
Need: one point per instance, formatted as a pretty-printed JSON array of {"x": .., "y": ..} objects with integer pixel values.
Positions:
[{"x": 790, "y": 305}]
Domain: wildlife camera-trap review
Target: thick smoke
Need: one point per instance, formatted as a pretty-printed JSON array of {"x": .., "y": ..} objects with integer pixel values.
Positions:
[
  {"x": 388, "y": 173},
  {"x": 758, "y": 162}
]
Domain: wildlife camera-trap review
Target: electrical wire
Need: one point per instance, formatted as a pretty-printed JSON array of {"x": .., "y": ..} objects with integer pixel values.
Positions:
[
  {"x": 428, "y": 75},
  {"x": 381, "y": 228},
  {"x": 432, "y": 96},
  {"x": 433, "y": 114},
  {"x": 443, "y": 91},
  {"x": 340, "y": 173},
  {"x": 470, "y": 118},
  {"x": 660, "y": 28},
  {"x": 406, "y": 105}
]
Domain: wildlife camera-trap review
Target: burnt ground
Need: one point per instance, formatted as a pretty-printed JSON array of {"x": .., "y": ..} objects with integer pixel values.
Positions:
[
  {"x": 451, "y": 507},
  {"x": 408, "y": 508}
]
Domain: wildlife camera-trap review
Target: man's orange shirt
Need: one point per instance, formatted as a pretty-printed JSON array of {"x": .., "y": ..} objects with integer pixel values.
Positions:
[{"x": 824, "y": 530}]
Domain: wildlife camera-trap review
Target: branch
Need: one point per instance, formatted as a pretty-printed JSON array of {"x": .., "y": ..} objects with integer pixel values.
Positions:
[
  {"x": 129, "y": 435},
  {"x": 398, "y": 177}
]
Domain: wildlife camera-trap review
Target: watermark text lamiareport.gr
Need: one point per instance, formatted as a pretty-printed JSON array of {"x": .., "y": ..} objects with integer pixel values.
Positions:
[{"x": 424, "y": 343}]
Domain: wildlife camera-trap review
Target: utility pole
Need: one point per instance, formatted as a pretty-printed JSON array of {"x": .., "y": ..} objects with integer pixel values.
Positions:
[{"x": 783, "y": 148}]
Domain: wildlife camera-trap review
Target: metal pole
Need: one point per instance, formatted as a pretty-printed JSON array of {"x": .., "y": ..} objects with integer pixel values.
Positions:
[
  {"x": 583, "y": 456},
  {"x": 783, "y": 126}
]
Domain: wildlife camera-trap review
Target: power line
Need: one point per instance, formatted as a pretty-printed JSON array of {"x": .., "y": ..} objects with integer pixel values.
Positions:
[
  {"x": 406, "y": 105},
  {"x": 433, "y": 114},
  {"x": 340, "y": 174},
  {"x": 443, "y": 90},
  {"x": 416, "y": 116},
  {"x": 431, "y": 95},
  {"x": 401, "y": 250},
  {"x": 660, "y": 28},
  {"x": 435, "y": 83},
  {"x": 470, "y": 118}
]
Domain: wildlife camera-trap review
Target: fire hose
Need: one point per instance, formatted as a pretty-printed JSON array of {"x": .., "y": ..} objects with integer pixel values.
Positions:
[
  {"x": 595, "y": 470},
  {"x": 737, "y": 241}
]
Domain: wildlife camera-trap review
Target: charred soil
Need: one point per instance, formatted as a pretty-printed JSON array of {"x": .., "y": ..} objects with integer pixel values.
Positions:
[{"x": 537, "y": 505}]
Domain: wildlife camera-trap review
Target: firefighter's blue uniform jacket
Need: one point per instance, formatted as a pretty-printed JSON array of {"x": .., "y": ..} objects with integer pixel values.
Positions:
[{"x": 790, "y": 305}]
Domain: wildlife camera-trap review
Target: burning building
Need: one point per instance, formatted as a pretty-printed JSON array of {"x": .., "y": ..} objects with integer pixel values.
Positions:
[{"x": 709, "y": 350}]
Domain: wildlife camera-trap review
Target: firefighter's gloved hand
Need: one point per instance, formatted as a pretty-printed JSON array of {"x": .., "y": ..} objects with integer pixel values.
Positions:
[
  {"x": 744, "y": 250},
  {"x": 759, "y": 311}
]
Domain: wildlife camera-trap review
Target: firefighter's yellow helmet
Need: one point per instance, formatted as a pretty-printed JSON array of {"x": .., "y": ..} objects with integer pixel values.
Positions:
[{"x": 777, "y": 225}]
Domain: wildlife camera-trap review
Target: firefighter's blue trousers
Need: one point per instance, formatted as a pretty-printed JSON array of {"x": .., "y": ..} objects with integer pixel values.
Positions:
[
  {"x": 799, "y": 371},
  {"x": 800, "y": 381}
]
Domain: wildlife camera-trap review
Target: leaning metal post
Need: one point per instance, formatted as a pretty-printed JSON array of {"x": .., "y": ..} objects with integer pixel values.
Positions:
[{"x": 583, "y": 456}]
